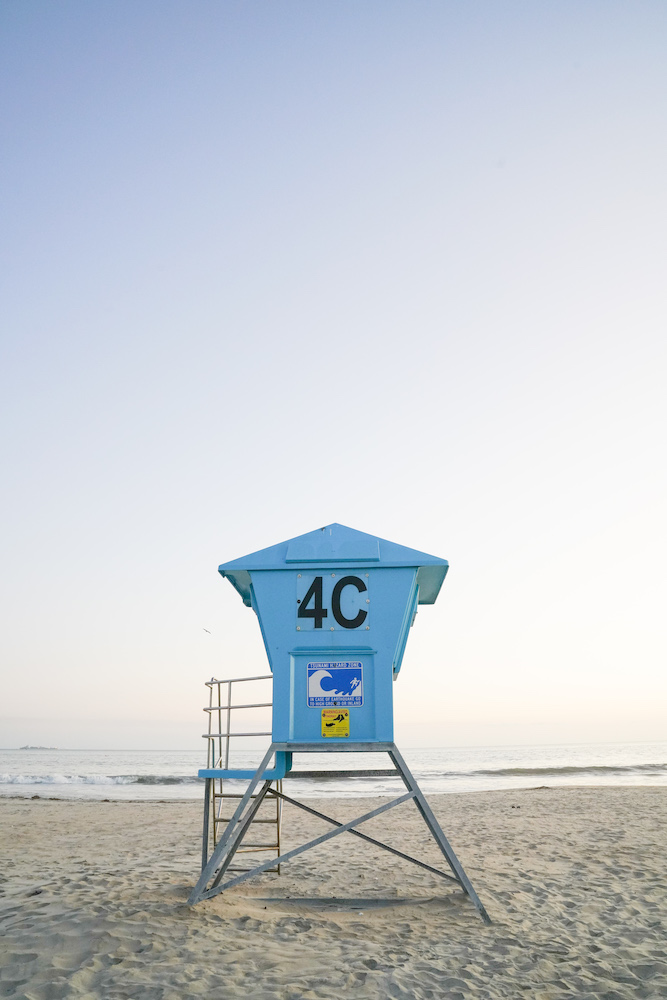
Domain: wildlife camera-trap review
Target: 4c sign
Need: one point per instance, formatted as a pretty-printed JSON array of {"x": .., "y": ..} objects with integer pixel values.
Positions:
[{"x": 332, "y": 601}]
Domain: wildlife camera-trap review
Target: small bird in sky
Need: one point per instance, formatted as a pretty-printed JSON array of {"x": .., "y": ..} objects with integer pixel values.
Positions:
[{"x": 206, "y": 630}]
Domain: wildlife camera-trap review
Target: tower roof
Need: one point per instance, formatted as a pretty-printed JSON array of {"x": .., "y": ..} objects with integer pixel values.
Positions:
[{"x": 338, "y": 545}]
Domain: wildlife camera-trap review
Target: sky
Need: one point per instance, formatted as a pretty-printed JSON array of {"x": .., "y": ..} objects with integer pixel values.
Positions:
[{"x": 397, "y": 264}]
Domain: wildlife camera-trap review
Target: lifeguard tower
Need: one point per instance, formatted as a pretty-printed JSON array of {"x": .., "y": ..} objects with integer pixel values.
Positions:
[{"x": 335, "y": 607}]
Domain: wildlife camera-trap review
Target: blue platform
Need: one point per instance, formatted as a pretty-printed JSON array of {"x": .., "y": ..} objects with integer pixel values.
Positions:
[{"x": 277, "y": 773}]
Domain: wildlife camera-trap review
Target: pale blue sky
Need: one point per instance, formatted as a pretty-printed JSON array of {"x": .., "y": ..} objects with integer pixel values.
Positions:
[{"x": 269, "y": 265}]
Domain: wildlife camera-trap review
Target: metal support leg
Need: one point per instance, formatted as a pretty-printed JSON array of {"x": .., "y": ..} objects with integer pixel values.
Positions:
[
  {"x": 207, "y": 814},
  {"x": 437, "y": 833}
]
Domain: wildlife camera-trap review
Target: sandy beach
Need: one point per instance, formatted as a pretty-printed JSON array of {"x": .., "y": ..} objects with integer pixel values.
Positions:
[{"x": 93, "y": 903}]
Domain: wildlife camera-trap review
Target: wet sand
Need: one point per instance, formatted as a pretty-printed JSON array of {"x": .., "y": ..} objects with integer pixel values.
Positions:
[{"x": 93, "y": 903}]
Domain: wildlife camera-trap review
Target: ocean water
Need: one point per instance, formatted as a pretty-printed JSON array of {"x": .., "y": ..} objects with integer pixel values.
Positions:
[{"x": 169, "y": 775}]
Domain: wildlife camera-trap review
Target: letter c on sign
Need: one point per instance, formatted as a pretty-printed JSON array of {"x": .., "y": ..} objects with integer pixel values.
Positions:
[{"x": 347, "y": 581}]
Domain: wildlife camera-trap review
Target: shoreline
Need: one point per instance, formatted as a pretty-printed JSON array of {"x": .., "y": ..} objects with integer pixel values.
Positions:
[
  {"x": 94, "y": 902},
  {"x": 81, "y": 800}
]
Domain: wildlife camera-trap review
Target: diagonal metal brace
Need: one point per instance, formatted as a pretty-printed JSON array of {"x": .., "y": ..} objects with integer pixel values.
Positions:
[
  {"x": 364, "y": 836},
  {"x": 213, "y": 891}
]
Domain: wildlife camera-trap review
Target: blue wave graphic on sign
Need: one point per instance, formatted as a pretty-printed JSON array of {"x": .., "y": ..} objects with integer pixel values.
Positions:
[{"x": 333, "y": 684}]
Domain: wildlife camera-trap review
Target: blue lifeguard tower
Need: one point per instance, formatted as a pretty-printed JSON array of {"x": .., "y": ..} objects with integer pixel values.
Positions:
[{"x": 335, "y": 607}]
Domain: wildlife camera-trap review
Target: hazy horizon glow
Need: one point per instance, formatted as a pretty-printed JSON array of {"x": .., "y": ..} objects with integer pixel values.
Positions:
[{"x": 396, "y": 265}]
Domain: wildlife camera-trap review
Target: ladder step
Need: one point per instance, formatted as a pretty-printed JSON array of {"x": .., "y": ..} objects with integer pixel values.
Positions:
[
  {"x": 226, "y": 819},
  {"x": 230, "y": 795},
  {"x": 275, "y": 871}
]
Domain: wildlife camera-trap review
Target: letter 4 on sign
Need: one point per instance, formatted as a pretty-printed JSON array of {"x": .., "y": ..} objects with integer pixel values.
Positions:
[{"x": 335, "y": 684}]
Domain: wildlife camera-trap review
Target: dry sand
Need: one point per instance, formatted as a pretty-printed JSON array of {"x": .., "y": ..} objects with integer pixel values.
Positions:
[{"x": 94, "y": 903}]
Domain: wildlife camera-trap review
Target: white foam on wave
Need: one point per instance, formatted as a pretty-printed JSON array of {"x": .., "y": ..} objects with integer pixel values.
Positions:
[{"x": 67, "y": 779}]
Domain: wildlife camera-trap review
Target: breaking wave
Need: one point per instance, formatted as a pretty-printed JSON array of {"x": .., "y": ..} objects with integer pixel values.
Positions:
[
  {"x": 97, "y": 779},
  {"x": 556, "y": 771}
]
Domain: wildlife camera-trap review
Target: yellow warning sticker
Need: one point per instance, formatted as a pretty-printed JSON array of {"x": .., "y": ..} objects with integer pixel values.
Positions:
[{"x": 335, "y": 722}]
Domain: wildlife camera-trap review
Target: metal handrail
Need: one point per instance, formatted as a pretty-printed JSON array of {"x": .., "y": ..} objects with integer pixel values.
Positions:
[
  {"x": 223, "y": 705},
  {"x": 219, "y": 759},
  {"x": 260, "y": 704},
  {"x": 262, "y": 677},
  {"x": 224, "y": 736}
]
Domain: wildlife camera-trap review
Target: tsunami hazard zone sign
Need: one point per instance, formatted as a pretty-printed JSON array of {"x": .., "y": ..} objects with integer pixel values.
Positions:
[{"x": 335, "y": 722}]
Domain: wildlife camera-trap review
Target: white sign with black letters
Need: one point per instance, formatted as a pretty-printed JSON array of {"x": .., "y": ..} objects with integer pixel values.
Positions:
[{"x": 332, "y": 601}]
